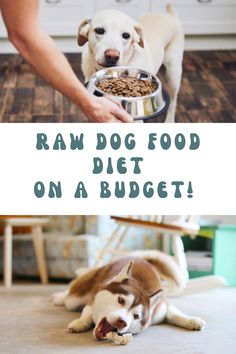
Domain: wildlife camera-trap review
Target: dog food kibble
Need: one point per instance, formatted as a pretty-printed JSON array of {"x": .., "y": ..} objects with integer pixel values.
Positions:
[{"x": 126, "y": 86}]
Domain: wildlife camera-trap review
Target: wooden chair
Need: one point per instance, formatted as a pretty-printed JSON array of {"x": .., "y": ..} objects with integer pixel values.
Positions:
[
  {"x": 35, "y": 224},
  {"x": 171, "y": 233},
  {"x": 180, "y": 227}
]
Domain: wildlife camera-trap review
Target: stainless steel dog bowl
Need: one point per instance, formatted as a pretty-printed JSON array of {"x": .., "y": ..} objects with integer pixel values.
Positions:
[{"x": 143, "y": 107}]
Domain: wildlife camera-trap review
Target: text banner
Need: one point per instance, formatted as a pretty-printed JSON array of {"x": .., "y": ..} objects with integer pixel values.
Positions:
[{"x": 65, "y": 169}]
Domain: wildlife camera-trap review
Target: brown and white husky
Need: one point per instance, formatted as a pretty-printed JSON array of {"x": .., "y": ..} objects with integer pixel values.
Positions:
[{"x": 126, "y": 296}]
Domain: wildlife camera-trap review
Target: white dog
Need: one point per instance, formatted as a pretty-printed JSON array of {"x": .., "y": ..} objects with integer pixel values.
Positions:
[
  {"x": 126, "y": 296},
  {"x": 112, "y": 38}
]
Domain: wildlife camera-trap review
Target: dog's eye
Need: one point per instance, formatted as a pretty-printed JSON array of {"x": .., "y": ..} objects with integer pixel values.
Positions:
[
  {"x": 126, "y": 35},
  {"x": 136, "y": 316},
  {"x": 99, "y": 30},
  {"x": 121, "y": 300}
]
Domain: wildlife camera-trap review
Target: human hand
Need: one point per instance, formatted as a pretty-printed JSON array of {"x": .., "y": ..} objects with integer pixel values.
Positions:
[{"x": 103, "y": 110}]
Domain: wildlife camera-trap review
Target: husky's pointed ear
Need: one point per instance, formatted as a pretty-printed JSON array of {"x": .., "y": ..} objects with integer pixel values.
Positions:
[
  {"x": 124, "y": 274},
  {"x": 138, "y": 35},
  {"x": 82, "y": 36},
  {"x": 155, "y": 297}
]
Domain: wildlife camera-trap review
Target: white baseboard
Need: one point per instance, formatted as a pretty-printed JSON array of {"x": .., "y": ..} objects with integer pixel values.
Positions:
[
  {"x": 210, "y": 42},
  {"x": 65, "y": 44},
  {"x": 69, "y": 45}
]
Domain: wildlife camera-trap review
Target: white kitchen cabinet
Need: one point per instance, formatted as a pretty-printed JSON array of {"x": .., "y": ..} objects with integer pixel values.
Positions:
[
  {"x": 61, "y": 18},
  {"x": 203, "y": 16},
  {"x": 134, "y": 8}
]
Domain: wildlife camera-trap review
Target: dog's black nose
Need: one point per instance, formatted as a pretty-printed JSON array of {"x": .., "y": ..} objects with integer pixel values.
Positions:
[
  {"x": 111, "y": 56},
  {"x": 120, "y": 323}
]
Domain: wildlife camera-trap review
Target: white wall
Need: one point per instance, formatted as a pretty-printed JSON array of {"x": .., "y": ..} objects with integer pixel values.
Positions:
[{"x": 221, "y": 219}]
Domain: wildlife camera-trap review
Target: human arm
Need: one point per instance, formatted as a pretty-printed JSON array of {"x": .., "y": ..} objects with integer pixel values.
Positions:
[{"x": 40, "y": 51}]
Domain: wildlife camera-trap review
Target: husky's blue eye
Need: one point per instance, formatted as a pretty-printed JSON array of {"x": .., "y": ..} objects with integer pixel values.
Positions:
[{"x": 136, "y": 316}]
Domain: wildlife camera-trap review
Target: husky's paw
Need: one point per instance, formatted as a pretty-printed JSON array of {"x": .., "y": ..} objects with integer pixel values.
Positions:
[
  {"x": 58, "y": 299},
  {"x": 78, "y": 326},
  {"x": 196, "y": 324}
]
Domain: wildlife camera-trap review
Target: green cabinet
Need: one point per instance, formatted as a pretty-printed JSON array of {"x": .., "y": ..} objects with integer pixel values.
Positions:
[{"x": 220, "y": 242}]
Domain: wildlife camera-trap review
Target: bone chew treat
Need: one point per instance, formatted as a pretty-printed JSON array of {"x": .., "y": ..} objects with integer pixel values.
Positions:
[
  {"x": 118, "y": 339},
  {"x": 126, "y": 86}
]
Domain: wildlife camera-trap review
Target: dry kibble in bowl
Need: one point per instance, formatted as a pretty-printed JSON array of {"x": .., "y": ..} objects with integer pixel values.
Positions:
[{"x": 126, "y": 86}]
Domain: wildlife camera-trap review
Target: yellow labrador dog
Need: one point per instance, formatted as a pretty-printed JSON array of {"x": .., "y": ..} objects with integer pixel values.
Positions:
[{"x": 112, "y": 38}]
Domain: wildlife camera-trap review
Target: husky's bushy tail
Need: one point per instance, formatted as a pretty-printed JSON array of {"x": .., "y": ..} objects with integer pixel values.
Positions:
[{"x": 168, "y": 267}]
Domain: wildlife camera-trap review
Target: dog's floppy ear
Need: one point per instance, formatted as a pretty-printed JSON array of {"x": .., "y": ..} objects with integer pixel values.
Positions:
[
  {"x": 138, "y": 35},
  {"x": 82, "y": 36},
  {"x": 155, "y": 297},
  {"x": 124, "y": 274}
]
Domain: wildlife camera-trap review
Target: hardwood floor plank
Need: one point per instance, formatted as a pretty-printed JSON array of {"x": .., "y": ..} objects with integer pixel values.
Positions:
[
  {"x": 223, "y": 116},
  {"x": 190, "y": 101},
  {"x": 199, "y": 116},
  {"x": 26, "y": 77},
  {"x": 50, "y": 118},
  {"x": 57, "y": 103},
  {"x": 9, "y": 71},
  {"x": 186, "y": 87},
  {"x": 8, "y": 101},
  {"x": 230, "y": 91},
  {"x": 16, "y": 118},
  {"x": 21, "y": 101},
  {"x": 182, "y": 117},
  {"x": 210, "y": 97},
  {"x": 72, "y": 118},
  {"x": 43, "y": 100},
  {"x": 3, "y": 93},
  {"x": 70, "y": 108}
]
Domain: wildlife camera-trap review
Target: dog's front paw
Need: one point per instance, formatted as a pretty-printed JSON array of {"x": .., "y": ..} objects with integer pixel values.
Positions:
[
  {"x": 196, "y": 324},
  {"x": 78, "y": 326}
]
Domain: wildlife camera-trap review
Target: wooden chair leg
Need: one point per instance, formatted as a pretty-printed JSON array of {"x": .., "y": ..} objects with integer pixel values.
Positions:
[
  {"x": 179, "y": 254},
  {"x": 108, "y": 245},
  {"x": 166, "y": 243},
  {"x": 121, "y": 237},
  {"x": 7, "y": 253},
  {"x": 40, "y": 253}
]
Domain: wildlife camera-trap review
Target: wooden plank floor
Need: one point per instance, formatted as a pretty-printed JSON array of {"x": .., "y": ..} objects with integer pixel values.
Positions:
[{"x": 208, "y": 91}]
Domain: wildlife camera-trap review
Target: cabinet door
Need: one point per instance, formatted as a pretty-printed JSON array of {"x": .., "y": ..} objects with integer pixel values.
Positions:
[
  {"x": 202, "y": 2},
  {"x": 203, "y": 16},
  {"x": 62, "y": 17},
  {"x": 133, "y": 8}
]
